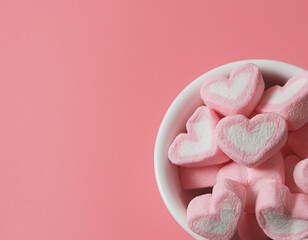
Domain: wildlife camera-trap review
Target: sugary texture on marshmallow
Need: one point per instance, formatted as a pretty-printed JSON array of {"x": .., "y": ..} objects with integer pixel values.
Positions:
[
  {"x": 237, "y": 94},
  {"x": 198, "y": 147},
  {"x": 254, "y": 179},
  {"x": 215, "y": 216},
  {"x": 251, "y": 142},
  {"x": 280, "y": 214},
  {"x": 290, "y": 101}
]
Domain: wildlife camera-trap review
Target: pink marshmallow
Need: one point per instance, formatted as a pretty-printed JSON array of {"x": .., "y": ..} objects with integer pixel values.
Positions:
[
  {"x": 249, "y": 229},
  {"x": 235, "y": 172},
  {"x": 290, "y": 163},
  {"x": 290, "y": 101},
  {"x": 203, "y": 177},
  {"x": 280, "y": 214},
  {"x": 254, "y": 178},
  {"x": 237, "y": 94},
  {"x": 300, "y": 175},
  {"x": 198, "y": 147},
  {"x": 298, "y": 142},
  {"x": 272, "y": 169},
  {"x": 215, "y": 216},
  {"x": 251, "y": 142}
]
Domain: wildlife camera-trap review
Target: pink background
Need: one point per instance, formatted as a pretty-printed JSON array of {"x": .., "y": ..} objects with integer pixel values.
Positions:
[{"x": 84, "y": 87}]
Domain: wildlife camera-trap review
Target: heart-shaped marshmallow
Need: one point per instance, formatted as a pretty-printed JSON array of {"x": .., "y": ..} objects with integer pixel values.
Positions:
[
  {"x": 237, "y": 94},
  {"x": 280, "y": 214},
  {"x": 298, "y": 141},
  {"x": 251, "y": 142},
  {"x": 254, "y": 179},
  {"x": 198, "y": 147},
  {"x": 300, "y": 175},
  {"x": 290, "y": 101},
  {"x": 290, "y": 163},
  {"x": 202, "y": 177},
  {"x": 249, "y": 229},
  {"x": 215, "y": 216}
]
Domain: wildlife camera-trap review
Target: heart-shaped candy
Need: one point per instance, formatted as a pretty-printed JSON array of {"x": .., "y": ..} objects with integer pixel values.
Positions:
[
  {"x": 251, "y": 142},
  {"x": 280, "y": 214},
  {"x": 198, "y": 147},
  {"x": 237, "y": 94},
  {"x": 215, "y": 216},
  {"x": 290, "y": 101}
]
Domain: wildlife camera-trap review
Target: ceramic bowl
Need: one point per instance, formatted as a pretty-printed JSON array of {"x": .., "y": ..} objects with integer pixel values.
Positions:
[{"x": 174, "y": 196}]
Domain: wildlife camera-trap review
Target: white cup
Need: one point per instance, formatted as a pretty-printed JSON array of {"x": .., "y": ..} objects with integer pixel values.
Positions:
[{"x": 174, "y": 196}]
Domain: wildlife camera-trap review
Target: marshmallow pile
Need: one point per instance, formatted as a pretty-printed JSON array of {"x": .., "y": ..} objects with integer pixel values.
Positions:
[{"x": 249, "y": 145}]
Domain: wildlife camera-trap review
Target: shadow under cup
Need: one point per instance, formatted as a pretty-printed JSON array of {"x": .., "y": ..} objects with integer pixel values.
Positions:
[{"x": 174, "y": 196}]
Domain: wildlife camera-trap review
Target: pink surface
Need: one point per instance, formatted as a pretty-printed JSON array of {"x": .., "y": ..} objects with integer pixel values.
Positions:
[{"x": 84, "y": 86}]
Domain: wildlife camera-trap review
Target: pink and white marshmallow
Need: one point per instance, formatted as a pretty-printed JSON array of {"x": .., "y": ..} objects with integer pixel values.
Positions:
[
  {"x": 254, "y": 179},
  {"x": 215, "y": 216},
  {"x": 237, "y": 94},
  {"x": 280, "y": 214},
  {"x": 290, "y": 101},
  {"x": 298, "y": 142},
  {"x": 251, "y": 142},
  {"x": 198, "y": 147},
  {"x": 300, "y": 175},
  {"x": 202, "y": 177}
]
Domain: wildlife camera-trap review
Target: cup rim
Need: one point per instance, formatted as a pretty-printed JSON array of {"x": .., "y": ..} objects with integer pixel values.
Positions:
[{"x": 285, "y": 69}]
